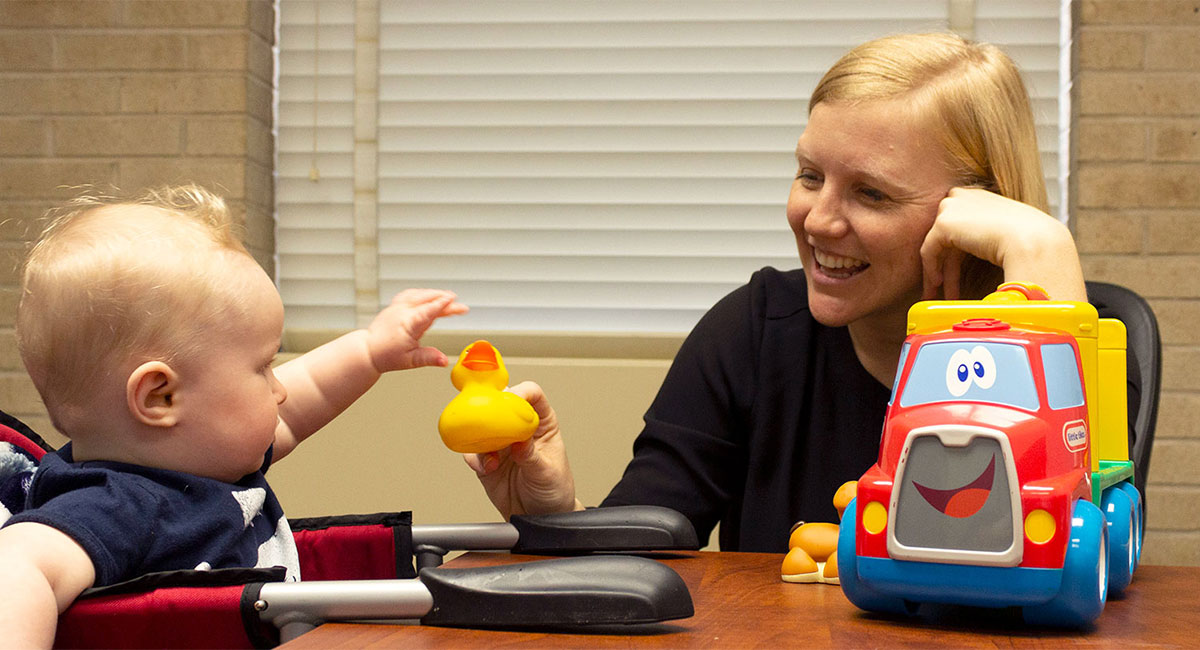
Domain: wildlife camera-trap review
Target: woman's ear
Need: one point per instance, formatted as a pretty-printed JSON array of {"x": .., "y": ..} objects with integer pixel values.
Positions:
[{"x": 149, "y": 393}]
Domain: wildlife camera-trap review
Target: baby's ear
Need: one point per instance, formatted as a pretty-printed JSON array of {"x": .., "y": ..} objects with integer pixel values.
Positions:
[{"x": 150, "y": 392}]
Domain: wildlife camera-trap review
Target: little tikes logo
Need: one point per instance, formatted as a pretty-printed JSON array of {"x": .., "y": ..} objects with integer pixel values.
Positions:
[{"x": 1075, "y": 435}]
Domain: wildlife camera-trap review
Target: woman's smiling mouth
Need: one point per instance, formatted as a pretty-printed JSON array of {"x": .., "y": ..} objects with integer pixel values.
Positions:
[{"x": 837, "y": 266}]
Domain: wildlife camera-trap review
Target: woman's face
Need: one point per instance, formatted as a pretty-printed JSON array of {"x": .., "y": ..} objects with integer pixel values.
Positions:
[{"x": 867, "y": 190}]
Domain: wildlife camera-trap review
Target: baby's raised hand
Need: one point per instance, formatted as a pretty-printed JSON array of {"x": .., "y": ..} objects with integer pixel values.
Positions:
[{"x": 394, "y": 337}]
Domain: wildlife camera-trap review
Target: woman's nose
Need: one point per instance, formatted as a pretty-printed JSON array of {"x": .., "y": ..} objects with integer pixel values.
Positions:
[{"x": 825, "y": 216}]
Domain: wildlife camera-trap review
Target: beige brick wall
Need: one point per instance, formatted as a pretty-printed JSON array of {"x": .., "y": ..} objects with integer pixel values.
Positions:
[
  {"x": 1135, "y": 202},
  {"x": 128, "y": 93}
]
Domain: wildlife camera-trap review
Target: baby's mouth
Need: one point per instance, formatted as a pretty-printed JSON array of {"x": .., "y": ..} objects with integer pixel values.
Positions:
[{"x": 836, "y": 266}]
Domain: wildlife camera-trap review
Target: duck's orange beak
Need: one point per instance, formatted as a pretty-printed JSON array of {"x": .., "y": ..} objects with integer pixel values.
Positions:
[
  {"x": 480, "y": 356},
  {"x": 480, "y": 362}
]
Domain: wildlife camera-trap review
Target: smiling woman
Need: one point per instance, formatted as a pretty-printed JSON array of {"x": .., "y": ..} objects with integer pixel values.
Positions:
[
  {"x": 859, "y": 217},
  {"x": 778, "y": 394}
]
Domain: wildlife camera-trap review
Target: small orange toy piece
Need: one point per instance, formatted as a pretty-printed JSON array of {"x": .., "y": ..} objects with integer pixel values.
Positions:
[{"x": 812, "y": 554}]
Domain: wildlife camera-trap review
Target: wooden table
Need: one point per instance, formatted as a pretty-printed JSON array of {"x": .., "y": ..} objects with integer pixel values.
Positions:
[{"x": 741, "y": 602}]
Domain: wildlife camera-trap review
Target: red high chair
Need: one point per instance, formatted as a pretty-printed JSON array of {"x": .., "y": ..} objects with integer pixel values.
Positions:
[{"x": 361, "y": 567}]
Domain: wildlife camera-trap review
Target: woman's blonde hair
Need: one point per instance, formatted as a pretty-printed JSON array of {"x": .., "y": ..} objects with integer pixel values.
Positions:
[
  {"x": 971, "y": 96},
  {"x": 107, "y": 283}
]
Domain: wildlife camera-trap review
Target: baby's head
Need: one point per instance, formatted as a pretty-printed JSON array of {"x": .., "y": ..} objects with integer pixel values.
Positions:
[{"x": 113, "y": 284}]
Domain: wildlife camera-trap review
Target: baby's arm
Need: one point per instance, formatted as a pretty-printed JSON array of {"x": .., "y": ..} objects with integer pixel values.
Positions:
[
  {"x": 42, "y": 571},
  {"x": 324, "y": 382}
]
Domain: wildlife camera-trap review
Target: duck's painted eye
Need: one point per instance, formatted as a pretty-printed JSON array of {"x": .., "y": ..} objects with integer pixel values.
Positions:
[
  {"x": 984, "y": 366},
  {"x": 958, "y": 374}
]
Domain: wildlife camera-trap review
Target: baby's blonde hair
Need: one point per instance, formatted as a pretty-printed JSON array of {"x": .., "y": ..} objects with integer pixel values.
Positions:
[
  {"x": 116, "y": 280},
  {"x": 972, "y": 98}
]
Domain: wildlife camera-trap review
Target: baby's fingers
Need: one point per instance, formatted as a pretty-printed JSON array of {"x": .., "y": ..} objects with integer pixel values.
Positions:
[
  {"x": 427, "y": 356},
  {"x": 413, "y": 297},
  {"x": 447, "y": 300}
]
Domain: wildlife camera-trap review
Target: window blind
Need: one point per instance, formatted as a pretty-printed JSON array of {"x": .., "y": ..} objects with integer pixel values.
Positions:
[{"x": 587, "y": 167}]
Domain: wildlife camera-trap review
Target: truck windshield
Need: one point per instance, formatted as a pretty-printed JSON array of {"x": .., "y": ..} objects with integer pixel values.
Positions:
[{"x": 971, "y": 371}]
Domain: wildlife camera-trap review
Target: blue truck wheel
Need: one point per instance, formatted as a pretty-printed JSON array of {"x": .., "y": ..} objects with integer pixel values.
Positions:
[
  {"x": 1119, "y": 514},
  {"x": 1139, "y": 519},
  {"x": 863, "y": 596},
  {"x": 1084, "y": 587}
]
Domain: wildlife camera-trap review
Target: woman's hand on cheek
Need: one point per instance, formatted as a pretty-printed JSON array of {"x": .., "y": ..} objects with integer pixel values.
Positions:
[
  {"x": 969, "y": 221},
  {"x": 1030, "y": 245}
]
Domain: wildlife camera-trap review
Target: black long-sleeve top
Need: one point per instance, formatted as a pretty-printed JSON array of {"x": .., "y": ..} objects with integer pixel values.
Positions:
[{"x": 763, "y": 414}]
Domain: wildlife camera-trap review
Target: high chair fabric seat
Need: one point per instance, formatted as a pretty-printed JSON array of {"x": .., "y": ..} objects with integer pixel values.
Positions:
[{"x": 358, "y": 567}]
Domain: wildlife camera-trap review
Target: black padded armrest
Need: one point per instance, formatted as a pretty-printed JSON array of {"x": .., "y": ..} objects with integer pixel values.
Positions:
[
  {"x": 617, "y": 528},
  {"x": 594, "y": 590}
]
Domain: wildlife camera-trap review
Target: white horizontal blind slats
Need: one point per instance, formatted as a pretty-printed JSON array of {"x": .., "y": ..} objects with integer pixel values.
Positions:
[
  {"x": 1028, "y": 30},
  {"x": 316, "y": 64},
  {"x": 625, "y": 163},
  {"x": 579, "y": 166},
  {"x": 660, "y": 11}
]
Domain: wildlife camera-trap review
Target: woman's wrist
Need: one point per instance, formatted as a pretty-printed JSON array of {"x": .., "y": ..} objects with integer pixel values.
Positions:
[{"x": 1047, "y": 257}]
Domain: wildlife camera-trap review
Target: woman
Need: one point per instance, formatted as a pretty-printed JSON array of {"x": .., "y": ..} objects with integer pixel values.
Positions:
[{"x": 918, "y": 175}]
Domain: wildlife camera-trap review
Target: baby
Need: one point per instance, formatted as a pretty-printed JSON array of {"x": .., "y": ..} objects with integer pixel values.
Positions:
[{"x": 150, "y": 333}]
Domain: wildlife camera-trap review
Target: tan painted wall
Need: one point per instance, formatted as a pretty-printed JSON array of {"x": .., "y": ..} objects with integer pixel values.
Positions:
[
  {"x": 134, "y": 92},
  {"x": 385, "y": 451}
]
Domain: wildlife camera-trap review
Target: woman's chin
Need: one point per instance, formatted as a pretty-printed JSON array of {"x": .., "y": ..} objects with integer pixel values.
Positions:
[
  {"x": 833, "y": 301},
  {"x": 831, "y": 312}
]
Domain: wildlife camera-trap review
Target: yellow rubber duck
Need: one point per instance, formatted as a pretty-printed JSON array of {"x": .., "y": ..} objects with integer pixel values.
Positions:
[
  {"x": 812, "y": 554},
  {"x": 484, "y": 417}
]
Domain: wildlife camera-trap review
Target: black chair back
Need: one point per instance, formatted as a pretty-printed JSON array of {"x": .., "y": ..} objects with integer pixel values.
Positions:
[{"x": 1144, "y": 371}]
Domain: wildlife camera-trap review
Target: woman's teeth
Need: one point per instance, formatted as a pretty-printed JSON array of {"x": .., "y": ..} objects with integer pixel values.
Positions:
[{"x": 838, "y": 266}]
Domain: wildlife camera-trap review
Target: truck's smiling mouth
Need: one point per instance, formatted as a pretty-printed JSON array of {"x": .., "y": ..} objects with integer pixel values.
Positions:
[{"x": 962, "y": 502}]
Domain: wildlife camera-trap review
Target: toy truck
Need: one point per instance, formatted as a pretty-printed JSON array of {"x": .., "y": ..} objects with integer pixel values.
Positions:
[{"x": 1003, "y": 477}]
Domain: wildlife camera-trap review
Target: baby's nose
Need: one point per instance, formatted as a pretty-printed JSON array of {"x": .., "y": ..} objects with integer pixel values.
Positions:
[{"x": 280, "y": 391}]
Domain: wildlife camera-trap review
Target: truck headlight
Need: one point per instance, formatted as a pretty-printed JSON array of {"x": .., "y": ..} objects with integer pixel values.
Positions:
[
  {"x": 1039, "y": 526},
  {"x": 874, "y": 517}
]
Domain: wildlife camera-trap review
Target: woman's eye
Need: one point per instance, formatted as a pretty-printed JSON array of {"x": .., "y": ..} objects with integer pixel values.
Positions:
[
  {"x": 809, "y": 179},
  {"x": 873, "y": 195}
]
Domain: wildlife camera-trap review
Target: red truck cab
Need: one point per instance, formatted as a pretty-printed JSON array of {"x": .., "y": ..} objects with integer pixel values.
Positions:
[
  {"x": 999, "y": 480},
  {"x": 967, "y": 438}
]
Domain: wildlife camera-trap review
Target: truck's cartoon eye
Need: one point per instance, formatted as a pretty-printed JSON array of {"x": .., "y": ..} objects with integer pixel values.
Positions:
[{"x": 970, "y": 367}]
